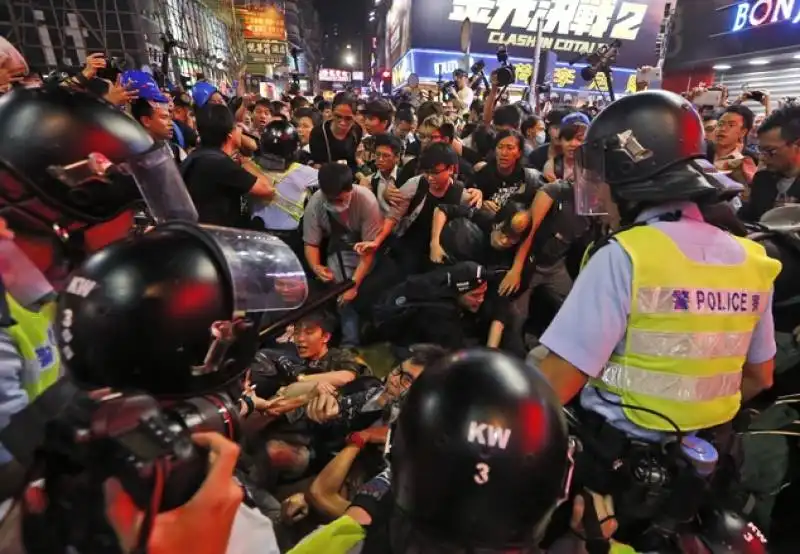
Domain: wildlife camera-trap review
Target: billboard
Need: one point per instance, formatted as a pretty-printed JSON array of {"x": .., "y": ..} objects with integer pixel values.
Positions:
[
  {"x": 266, "y": 23},
  {"x": 570, "y": 26},
  {"x": 398, "y": 30},
  {"x": 260, "y": 52},
  {"x": 334, "y": 75},
  {"x": 565, "y": 78},
  {"x": 703, "y": 32}
]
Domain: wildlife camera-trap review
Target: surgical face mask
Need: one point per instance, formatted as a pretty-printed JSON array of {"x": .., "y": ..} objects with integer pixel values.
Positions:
[{"x": 540, "y": 136}]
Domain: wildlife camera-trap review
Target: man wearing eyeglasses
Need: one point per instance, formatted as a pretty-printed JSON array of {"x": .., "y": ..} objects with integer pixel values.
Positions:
[
  {"x": 778, "y": 183},
  {"x": 363, "y": 409}
]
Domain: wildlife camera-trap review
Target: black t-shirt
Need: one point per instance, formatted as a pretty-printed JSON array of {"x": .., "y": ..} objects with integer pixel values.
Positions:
[
  {"x": 499, "y": 188},
  {"x": 218, "y": 187},
  {"x": 539, "y": 157},
  {"x": 561, "y": 227},
  {"x": 333, "y": 149},
  {"x": 419, "y": 234}
]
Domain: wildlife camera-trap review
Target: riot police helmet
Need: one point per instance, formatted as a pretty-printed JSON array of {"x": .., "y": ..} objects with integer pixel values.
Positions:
[
  {"x": 174, "y": 312},
  {"x": 647, "y": 147},
  {"x": 480, "y": 453},
  {"x": 280, "y": 141},
  {"x": 71, "y": 160}
]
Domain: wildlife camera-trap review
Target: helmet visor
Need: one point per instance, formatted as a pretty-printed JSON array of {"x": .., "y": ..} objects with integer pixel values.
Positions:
[
  {"x": 22, "y": 279},
  {"x": 161, "y": 185},
  {"x": 267, "y": 275},
  {"x": 590, "y": 187}
]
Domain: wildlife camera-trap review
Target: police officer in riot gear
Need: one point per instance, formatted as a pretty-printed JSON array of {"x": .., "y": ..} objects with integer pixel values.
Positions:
[
  {"x": 64, "y": 193},
  {"x": 479, "y": 459},
  {"x": 668, "y": 326},
  {"x": 293, "y": 182},
  {"x": 204, "y": 308}
]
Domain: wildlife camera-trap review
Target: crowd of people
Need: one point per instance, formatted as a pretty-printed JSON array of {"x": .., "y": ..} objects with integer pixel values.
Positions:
[{"x": 459, "y": 222}]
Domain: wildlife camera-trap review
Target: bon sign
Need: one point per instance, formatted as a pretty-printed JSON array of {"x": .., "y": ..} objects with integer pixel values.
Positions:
[{"x": 764, "y": 12}]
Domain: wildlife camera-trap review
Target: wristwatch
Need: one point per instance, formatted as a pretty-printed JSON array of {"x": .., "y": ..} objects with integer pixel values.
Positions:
[{"x": 356, "y": 439}]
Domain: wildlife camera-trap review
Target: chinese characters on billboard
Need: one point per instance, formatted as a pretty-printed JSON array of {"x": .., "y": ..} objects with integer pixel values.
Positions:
[
  {"x": 569, "y": 26},
  {"x": 266, "y": 23},
  {"x": 565, "y": 78},
  {"x": 334, "y": 75},
  {"x": 266, "y": 52}
]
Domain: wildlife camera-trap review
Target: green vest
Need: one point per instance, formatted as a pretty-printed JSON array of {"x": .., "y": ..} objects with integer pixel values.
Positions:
[{"x": 35, "y": 339}]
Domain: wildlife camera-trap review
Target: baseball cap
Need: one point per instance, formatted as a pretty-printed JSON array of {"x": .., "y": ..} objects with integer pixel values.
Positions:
[{"x": 466, "y": 276}]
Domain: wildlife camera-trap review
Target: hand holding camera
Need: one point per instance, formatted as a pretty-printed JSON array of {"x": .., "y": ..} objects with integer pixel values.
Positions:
[{"x": 212, "y": 508}]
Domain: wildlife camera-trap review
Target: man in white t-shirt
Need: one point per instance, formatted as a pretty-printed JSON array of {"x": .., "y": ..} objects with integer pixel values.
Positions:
[{"x": 464, "y": 95}]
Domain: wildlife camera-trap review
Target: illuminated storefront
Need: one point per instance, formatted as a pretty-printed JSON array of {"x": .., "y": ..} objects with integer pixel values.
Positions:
[
  {"x": 754, "y": 44},
  {"x": 565, "y": 78}
]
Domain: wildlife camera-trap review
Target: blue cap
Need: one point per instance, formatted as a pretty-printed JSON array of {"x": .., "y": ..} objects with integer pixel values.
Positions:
[
  {"x": 576, "y": 118},
  {"x": 201, "y": 92},
  {"x": 145, "y": 85}
]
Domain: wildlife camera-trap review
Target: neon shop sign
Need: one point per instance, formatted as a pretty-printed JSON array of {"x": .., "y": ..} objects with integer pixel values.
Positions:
[{"x": 764, "y": 12}]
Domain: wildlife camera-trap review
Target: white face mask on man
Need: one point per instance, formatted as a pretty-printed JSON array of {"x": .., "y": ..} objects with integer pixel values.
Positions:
[{"x": 539, "y": 138}]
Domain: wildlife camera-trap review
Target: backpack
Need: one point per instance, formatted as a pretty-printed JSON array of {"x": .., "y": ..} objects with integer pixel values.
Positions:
[{"x": 396, "y": 308}]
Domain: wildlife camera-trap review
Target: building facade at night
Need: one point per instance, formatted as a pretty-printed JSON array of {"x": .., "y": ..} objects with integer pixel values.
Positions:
[{"x": 207, "y": 35}]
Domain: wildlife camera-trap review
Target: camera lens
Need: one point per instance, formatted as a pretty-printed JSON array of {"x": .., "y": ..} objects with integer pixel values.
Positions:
[
  {"x": 505, "y": 76},
  {"x": 215, "y": 413}
]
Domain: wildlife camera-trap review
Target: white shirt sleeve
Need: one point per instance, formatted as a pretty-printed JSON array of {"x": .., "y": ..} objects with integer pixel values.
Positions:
[{"x": 252, "y": 532}]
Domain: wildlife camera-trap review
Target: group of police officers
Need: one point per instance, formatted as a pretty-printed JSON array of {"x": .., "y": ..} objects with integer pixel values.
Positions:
[{"x": 480, "y": 456}]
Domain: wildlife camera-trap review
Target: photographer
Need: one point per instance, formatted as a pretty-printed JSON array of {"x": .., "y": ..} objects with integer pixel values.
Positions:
[{"x": 462, "y": 94}]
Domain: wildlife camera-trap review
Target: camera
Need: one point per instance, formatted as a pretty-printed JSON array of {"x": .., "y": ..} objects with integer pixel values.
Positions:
[
  {"x": 114, "y": 66},
  {"x": 506, "y": 74},
  {"x": 142, "y": 442}
]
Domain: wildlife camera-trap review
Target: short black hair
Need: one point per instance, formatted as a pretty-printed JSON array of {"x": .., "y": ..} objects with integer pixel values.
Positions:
[
  {"x": 483, "y": 138},
  {"x": 438, "y": 153},
  {"x": 787, "y": 119},
  {"x": 404, "y": 114},
  {"x": 321, "y": 319},
  {"x": 570, "y": 131},
  {"x": 507, "y": 116},
  {"x": 554, "y": 116},
  {"x": 391, "y": 141},
  {"x": 381, "y": 109},
  {"x": 347, "y": 99},
  {"x": 265, "y": 103},
  {"x": 311, "y": 113},
  {"x": 448, "y": 131},
  {"x": 214, "y": 123},
  {"x": 745, "y": 112},
  {"x": 425, "y": 354},
  {"x": 276, "y": 106},
  {"x": 141, "y": 108},
  {"x": 298, "y": 102},
  {"x": 709, "y": 117},
  {"x": 529, "y": 123},
  {"x": 511, "y": 133},
  {"x": 428, "y": 109},
  {"x": 334, "y": 178}
]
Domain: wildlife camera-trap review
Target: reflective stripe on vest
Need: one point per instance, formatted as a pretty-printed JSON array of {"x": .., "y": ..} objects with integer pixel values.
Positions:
[
  {"x": 689, "y": 331},
  {"x": 34, "y": 337}
]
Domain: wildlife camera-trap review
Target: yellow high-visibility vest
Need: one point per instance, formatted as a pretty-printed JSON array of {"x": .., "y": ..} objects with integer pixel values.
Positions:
[
  {"x": 34, "y": 336},
  {"x": 688, "y": 332}
]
